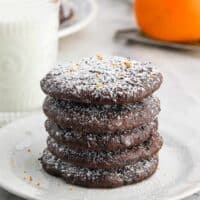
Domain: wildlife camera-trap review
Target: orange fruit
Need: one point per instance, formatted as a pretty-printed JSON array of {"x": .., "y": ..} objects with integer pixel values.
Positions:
[{"x": 169, "y": 20}]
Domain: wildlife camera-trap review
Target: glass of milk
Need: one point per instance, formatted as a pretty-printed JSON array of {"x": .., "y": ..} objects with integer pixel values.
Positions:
[{"x": 28, "y": 49}]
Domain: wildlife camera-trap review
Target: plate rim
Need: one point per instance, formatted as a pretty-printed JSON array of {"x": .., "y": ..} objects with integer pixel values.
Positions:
[
  {"x": 81, "y": 24},
  {"x": 23, "y": 194}
]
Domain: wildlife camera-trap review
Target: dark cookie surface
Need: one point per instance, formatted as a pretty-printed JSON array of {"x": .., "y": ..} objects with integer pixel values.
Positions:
[
  {"x": 101, "y": 141},
  {"x": 99, "y": 178},
  {"x": 102, "y": 80},
  {"x": 102, "y": 118},
  {"x": 105, "y": 160}
]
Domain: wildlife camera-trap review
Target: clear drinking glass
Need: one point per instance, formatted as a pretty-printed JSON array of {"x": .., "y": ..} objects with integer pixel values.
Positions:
[{"x": 28, "y": 49}]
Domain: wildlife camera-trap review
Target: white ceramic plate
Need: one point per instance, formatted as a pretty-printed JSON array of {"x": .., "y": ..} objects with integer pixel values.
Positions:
[
  {"x": 84, "y": 13},
  {"x": 22, "y": 142}
]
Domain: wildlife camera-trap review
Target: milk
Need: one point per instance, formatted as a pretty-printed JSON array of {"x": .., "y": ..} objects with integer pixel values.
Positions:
[{"x": 28, "y": 49}]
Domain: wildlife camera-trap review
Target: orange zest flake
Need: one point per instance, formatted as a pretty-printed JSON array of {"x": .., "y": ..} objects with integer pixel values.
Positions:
[
  {"x": 30, "y": 178},
  {"x": 113, "y": 65},
  {"x": 99, "y": 85},
  {"x": 38, "y": 184},
  {"x": 29, "y": 150},
  {"x": 99, "y": 57},
  {"x": 72, "y": 69},
  {"x": 97, "y": 74},
  {"x": 120, "y": 75},
  {"x": 128, "y": 64}
]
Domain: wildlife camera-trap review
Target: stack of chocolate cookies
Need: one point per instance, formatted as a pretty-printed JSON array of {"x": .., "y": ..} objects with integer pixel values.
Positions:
[{"x": 102, "y": 121}]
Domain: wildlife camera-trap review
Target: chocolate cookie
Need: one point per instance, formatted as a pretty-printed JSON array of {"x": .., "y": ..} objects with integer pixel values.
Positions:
[
  {"x": 101, "y": 118},
  {"x": 102, "y": 80},
  {"x": 102, "y": 141},
  {"x": 105, "y": 160},
  {"x": 99, "y": 178}
]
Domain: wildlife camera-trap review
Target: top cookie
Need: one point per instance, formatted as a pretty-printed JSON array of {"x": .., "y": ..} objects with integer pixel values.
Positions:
[{"x": 102, "y": 80}]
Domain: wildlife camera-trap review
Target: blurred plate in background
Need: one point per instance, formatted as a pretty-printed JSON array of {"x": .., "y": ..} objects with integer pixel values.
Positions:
[{"x": 84, "y": 12}]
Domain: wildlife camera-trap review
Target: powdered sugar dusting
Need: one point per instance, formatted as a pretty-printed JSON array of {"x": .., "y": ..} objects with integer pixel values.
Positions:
[
  {"x": 102, "y": 141},
  {"x": 100, "y": 79},
  {"x": 98, "y": 118},
  {"x": 128, "y": 173},
  {"x": 107, "y": 159}
]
